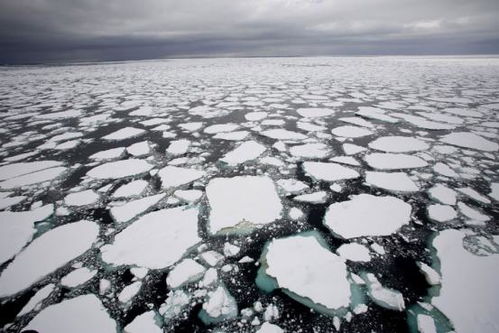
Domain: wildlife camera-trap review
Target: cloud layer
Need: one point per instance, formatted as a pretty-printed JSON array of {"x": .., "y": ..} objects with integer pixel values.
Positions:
[{"x": 86, "y": 30}]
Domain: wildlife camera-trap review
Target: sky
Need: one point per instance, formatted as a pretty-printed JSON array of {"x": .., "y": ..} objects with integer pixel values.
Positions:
[{"x": 39, "y": 31}]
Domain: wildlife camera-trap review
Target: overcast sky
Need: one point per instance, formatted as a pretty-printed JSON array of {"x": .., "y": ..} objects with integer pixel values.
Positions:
[{"x": 86, "y": 30}]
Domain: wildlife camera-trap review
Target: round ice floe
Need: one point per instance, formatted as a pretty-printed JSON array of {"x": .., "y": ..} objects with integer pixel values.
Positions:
[
  {"x": 82, "y": 198},
  {"x": 367, "y": 215},
  {"x": 47, "y": 253},
  {"x": 351, "y": 131},
  {"x": 314, "y": 112},
  {"x": 354, "y": 252},
  {"x": 469, "y": 140},
  {"x": 310, "y": 150},
  {"x": 328, "y": 171},
  {"x": 82, "y": 314},
  {"x": 441, "y": 213},
  {"x": 398, "y": 144},
  {"x": 246, "y": 151},
  {"x": 120, "y": 169},
  {"x": 390, "y": 161},
  {"x": 322, "y": 281},
  {"x": 392, "y": 181},
  {"x": 243, "y": 199}
]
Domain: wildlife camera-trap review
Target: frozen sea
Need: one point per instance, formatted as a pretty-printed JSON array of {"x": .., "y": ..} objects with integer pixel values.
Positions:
[{"x": 348, "y": 194}]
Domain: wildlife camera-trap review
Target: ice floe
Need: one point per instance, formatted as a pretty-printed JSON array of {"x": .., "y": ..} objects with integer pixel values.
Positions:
[
  {"x": 470, "y": 140},
  {"x": 389, "y": 161},
  {"x": 329, "y": 171},
  {"x": 392, "y": 181},
  {"x": 398, "y": 144},
  {"x": 120, "y": 169}
]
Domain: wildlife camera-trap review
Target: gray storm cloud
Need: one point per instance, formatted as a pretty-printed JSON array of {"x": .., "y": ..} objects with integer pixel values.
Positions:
[{"x": 86, "y": 30}]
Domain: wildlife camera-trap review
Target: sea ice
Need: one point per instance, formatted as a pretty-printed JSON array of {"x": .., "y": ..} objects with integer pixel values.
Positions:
[
  {"x": 120, "y": 169},
  {"x": 328, "y": 171},
  {"x": 443, "y": 194},
  {"x": 392, "y": 181},
  {"x": 124, "y": 133},
  {"x": 172, "y": 176},
  {"x": 470, "y": 140},
  {"x": 282, "y": 134},
  {"x": 354, "y": 252},
  {"x": 77, "y": 277},
  {"x": 246, "y": 151},
  {"x": 130, "y": 209},
  {"x": 310, "y": 150},
  {"x": 314, "y": 112},
  {"x": 441, "y": 213},
  {"x": 144, "y": 323},
  {"x": 348, "y": 131},
  {"x": 186, "y": 271},
  {"x": 82, "y": 198},
  {"x": 398, "y": 144},
  {"x": 389, "y": 161},
  {"x": 133, "y": 188}
]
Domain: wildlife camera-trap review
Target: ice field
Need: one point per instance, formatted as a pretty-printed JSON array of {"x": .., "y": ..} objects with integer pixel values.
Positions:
[{"x": 251, "y": 195}]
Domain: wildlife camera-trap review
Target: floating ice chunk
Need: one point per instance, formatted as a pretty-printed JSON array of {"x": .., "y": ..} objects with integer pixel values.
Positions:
[
  {"x": 468, "y": 191},
  {"x": 211, "y": 258},
  {"x": 109, "y": 154},
  {"x": 426, "y": 324},
  {"x": 282, "y": 134},
  {"x": 133, "y": 188},
  {"x": 390, "y": 161},
  {"x": 124, "y": 133},
  {"x": 231, "y": 250},
  {"x": 471, "y": 213},
  {"x": 367, "y": 215},
  {"x": 310, "y": 127},
  {"x": 328, "y": 171},
  {"x": 291, "y": 186},
  {"x": 77, "y": 277},
  {"x": 354, "y": 252},
  {"x": 473, "y": 285},
  {"x": 33, "y": 178},
  {"x": 139, "y": 272},
  {"x": 321, "y": 282},
  {"x": 392, "y": 181},
  {"x": 179, "y": 147},
  {"x": 357, "y": 121},
  {"x": 144, "y": 110},
  {"x": 255, "y": 116},
  {"x": 129, "y": 210},
  {"x": 246, "y": 151},
  {"x": 139, "y": 149},
  {"x": 384, "y": 297},
  {"x": 11, "y": 201},
  {"x": 494, "y": 191},
  {"x": 432, "y": 277},
  {"x": 188, "y": 195},
  {"x": 310, "y": 150},
  {"x": 250, "y": 199},
  {"x": 470, "y": 140},
  {"x": 209, "y": 278},
  {"x": 351, "y": 149},
  {"x": 187, "y": 271},
  {"x": 23, "y": 168},
  {"x": 129, "y": 292},
  {"x": 232, "y": 136},
  {"x": 348, "y": 131},
  {"x": 269, "y": 328},
  {"x": 191, "y": 127},
  {"x": 81, "y": 314},
  {"x": 143, "y": 323},
  {"x": 175, "y": 303},
  {"x": 444, "y": 170},
  {"x": 349, "y": 160},
  {"x": 172, "y": 176},
  {"x": 219, "y": 306},
  {"x": 424, "y": 123},
  {"x": 315, "y": 198},
  {"x": 41, "y": 257},
  {"x": 443, "y": 194},
  {"x": 221, "y": 128},
  {"x": 315, "y": 112},
  {"x": 156, "y": 240},
  {"x": 120, "y": 169},
  {"x": 82, "y": 198},
  {"x": 441, "y": 213},
  {"x": 35, "y": 301},
  {"x": 375, "y": 113},
  {"x": 398, "y": 144}
]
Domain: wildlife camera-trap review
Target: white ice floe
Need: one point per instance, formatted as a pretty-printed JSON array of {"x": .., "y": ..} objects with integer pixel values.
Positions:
[
  {"x": 375, "y": 113},
  {"x": 35, "y": 301},
  {"x": 143, "y": 323},
  {"x": 124, "y": 133},
  {"x": 156, "y": 240},
  {"x": 367, "y": 215},
  {"x": 220, "y": 306},
  {"x": 172, "y": 176},
  {"x": 392, "y": 181},
  {"x": 357, "y": 121},
  {"x": 443, "y": 194},
  {"x": 129, "y": 292},
  {"x": 468, "y": 191},
  {"x": 444, "y": 170},
  {"x": 389, "y": 161},
  {"x": 246, "y": 151},
  {"x": 473, "y": 285},
  {"x": 310, "y": 150},
  {"x": 139, "y": 149},
  {"x": 291, "y": 186},
  {"x": 314, "y": 112},
  {"x": 470, "y": 140},
  {"x": 269, "y": 328},
  {"x": 133, "y": 188},
  {"x": 82, "y": 314},
  {"x": 191, "y": 127},
  {"x": 130, "y": 209},
  {"x": 256, "y": 116},
  {"x": 329, "y": 171},
  {"x": 221, "y": 128},
  {"x": 348, "y": 131},
  {"x": 23, "y": 168},
  {"x": 471, "y": 213},
  {"x": 82, "y": 198},
  {"x": 426, "y": 324},
  {"x": 494, "y": 191},
  {"x": 354, "y": 252},
  {"x": 187, "y": 271},
  {"x": 178, "y": 147},
  {"x": 351, "y": 149},
  {"x": 315, "y": 198},
  {"x": 349, "y": 160},
  {"x": 11, "y": 201},
  {"x": 41, "y": 257},
  {"x": 398, "y": 144},
  {"x": 322, "y": 281},
  {"x": 120, "y": 169},
  {"x": 33, "y": 178},
  {"x": 175, "y": 303},
  {"x": 77, "y": 277},
  {"x": 431, "y": 276},
  {"x": 109, "y": 154},
  {"x": 282, "y": 134},
  {"x": 188, "y": 195},
  {"x": 441, "y": 213},
  {"x": 232, "y": 136},
  {"x": 243, "y": 199},
  {"x": 384, "y": 297}
]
